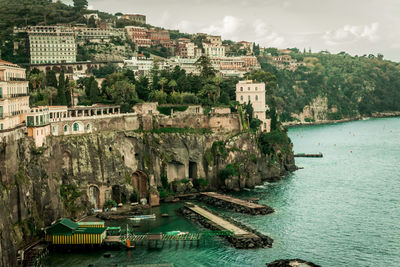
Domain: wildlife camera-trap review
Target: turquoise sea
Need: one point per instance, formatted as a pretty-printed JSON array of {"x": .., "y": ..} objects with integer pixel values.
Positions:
[{"x": 340, "y": 210}]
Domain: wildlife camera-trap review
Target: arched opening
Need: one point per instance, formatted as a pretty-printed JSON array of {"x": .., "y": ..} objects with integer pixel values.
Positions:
[
  {"x": 140, "y": 182},
  {"x": 118, "y": 194},
  {"x": 75, "y": 127},
  {"x": 66, "y": 129},
  {"x": 94, "y": 196},
  {"x": 88, "y": 128}
]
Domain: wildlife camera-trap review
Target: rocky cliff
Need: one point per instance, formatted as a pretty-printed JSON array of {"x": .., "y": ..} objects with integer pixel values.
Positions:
[{"x": 72, "y": 174}]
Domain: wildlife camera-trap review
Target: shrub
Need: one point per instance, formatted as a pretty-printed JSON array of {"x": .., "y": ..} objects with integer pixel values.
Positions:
[
  {"x": 164, "y": 181},
  {"x": 189, "y": 98},
  {"x": 185, "y": 180},
  {"x": 230, "y": 170},
  {"x": 199, "y": 183},
  {"x": 109, "y": 204}
]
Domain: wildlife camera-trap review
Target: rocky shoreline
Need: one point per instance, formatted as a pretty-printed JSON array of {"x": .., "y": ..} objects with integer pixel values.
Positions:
[
  {"x": 322, "y": 122},
  {"x": 291, "y": 262},
  {"x": 235, "y": 207},
  {"x": 262, "y": 241}
]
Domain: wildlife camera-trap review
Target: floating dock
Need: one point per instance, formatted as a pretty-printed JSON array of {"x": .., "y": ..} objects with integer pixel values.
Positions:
[
  {"x": 235, "y": 204},
  {"x": 303, "y": 155},
  {"x": 241, "y": 236}
]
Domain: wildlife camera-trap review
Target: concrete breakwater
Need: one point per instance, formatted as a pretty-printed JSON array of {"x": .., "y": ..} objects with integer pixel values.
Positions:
[
  {"x": 234, "y": 204},
  {"x": 241, "y": 237}
]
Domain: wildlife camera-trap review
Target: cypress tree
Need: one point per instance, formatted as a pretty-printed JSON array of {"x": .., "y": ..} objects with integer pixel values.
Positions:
[{"x": 61, "y": 99}]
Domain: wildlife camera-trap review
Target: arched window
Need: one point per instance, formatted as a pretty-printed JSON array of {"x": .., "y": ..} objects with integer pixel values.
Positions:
[
  {"x": 75, "y": 127},
  {"x": 88, "y": 127},
  {"x": 256, "y": 97},
  {"x": 65, "y": 128},
  {"x": 241, "y": 98}
]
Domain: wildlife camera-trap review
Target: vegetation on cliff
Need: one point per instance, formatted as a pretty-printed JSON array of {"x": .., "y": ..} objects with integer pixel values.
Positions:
[{"x": 353, "y": 85}]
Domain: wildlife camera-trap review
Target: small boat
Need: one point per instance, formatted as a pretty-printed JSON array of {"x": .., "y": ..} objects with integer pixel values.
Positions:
[
  {"x": 176, "y": 233},
  {"x": 143, "y": 217}
]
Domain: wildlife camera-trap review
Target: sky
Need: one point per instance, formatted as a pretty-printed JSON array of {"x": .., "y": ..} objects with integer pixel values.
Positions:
[{"x": 357, "y": 27}]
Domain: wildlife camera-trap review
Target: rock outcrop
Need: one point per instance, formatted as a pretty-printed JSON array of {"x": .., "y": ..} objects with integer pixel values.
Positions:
[{"x": 70, "y": 175}]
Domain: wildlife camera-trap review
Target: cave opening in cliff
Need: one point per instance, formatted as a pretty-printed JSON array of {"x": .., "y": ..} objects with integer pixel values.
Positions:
[
  {"x": 192, "y": 170},
  {"x": 94, "y": 196},
  {"x": 140, "y": 182}
]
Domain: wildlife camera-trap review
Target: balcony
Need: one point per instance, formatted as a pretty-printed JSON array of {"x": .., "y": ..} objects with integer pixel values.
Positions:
[{"x": 14, "y": 79}]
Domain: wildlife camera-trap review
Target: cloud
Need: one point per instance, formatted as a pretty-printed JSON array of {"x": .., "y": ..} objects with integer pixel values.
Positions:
[
  {"x": 266, "y": 37},
  {"x": 351, "y": 33},
  {"x": 228, "y": 27}
]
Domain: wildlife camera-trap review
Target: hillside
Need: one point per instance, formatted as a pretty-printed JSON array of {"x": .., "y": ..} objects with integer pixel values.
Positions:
[
  {"x": 328, "y": 86},
  {"x": 350, "y": 86}
]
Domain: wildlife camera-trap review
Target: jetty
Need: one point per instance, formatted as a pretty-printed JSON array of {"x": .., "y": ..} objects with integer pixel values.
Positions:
[
  {"x": 303, "y": 155},
  {"x": 240, "y": 237},
  {"x": 235, "y": 204}
]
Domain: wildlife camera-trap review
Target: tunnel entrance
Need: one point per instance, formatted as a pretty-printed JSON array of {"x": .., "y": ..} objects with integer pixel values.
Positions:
[{"x": 192, "y": 170}]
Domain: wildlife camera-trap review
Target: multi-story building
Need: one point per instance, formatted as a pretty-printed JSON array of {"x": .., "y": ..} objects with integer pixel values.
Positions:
[
  {"x": 187, "y": 64},
  {"x": 141, "y": 65},
  {"x": 186, "y": 50},
  {"x": 247, "y": 91},
  {"x": 215, "y": 40},
  {"x": 135, "y": 17},
  {"x": 14, "y": 96},
  {"x": 85, "y": 33},
  {"x": 214, "y": 50},
  {"x": 51, "y": 44},
  {"x": 248, "y": 46},
  {"x": 138, "y": 35}
]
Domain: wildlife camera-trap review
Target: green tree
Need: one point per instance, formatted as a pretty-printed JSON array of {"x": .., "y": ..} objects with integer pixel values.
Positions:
[
  {"x": 172, "y": 84},
  {"x": 94, "y": 94},
  {"x": 211, "y": 91},
  {"x": 205, "y": 67},
  {"x": 51, "y": 79},
  {"x": 80, "y": 4},
  {"x": 51, "y": 93},
  {"x": 61, "y": 99},
  {"x": 163, "y": 81},
  {"x": 36, "y": 80},
  {"x": 91, "y": 22}
]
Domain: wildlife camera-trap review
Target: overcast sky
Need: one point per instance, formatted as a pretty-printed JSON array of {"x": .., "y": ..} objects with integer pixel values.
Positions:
[{"x": 355, "y": 26}]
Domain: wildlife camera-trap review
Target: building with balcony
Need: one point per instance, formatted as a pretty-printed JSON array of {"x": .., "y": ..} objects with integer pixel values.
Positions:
[
  {"x": 51, "y": 44},
  {"x": 14, "y": 96},
  {"x": 254, "y": 93}
]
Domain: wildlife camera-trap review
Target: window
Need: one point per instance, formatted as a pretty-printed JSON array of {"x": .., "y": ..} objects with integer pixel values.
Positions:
[
  {"x": 256, "y": 88},
  {"x": 1, "y": 92},
  {"x": 30, "y": 121},
  {"x": 75, "y": 127},
  {"x": 66, "y": 129},
  {"x": 88, "y": 127},
  {"x": 1, "y": 111},
  {"x": 248, "y": 88},
  {"x": 248, "y": 98},
  {"x": 241, "y": 98},
  {"x": 1, "y": 126},
  {"x": 256, "y": 97},
  {"x": 241, "y": 89}
]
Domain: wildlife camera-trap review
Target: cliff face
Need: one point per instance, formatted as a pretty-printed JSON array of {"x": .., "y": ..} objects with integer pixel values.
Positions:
[{"x": 71, "y": 174}]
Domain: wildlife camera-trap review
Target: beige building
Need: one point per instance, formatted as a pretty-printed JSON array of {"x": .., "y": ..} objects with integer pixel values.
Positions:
[
  {"x": 214, "y": 50},
  {"x": 135, "y": 17},
  {"x": 51, "y": 44},
  {"x": 247, "y": 91},
  {"x": 14, "y": 96},
  {"x": 38, "y": 124}
]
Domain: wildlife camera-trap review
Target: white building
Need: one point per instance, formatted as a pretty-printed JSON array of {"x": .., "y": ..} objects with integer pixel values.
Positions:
[
  {"x": 214, "y": 50},
  {"x": 142, "y": 65},
  {"x": 247, "y": 91},
  {"x": 14, "y": 95},
  {"x": 51, "y": 44}
]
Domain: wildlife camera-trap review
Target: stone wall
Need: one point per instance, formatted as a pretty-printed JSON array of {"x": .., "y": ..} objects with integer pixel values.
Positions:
[{"x": 220, "y": 123}]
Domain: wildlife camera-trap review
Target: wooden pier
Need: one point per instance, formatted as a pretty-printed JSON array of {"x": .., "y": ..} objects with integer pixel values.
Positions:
[{"x": 235, "y": 204}]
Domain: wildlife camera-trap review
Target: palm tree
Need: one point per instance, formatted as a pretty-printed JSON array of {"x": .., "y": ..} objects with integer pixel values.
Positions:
[
  {"x": 172, "y": 84},
  {"x": 36, "y": 80},
  {"x": 51, "y": 93},
  {"x": 209, "y": 90},
  {"x": 163, "y": 81}
]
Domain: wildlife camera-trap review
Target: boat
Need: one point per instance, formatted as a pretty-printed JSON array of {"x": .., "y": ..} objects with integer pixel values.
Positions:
[
  {"x": 176, "y": 233},
  {"x": 143, "y": 217}
]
